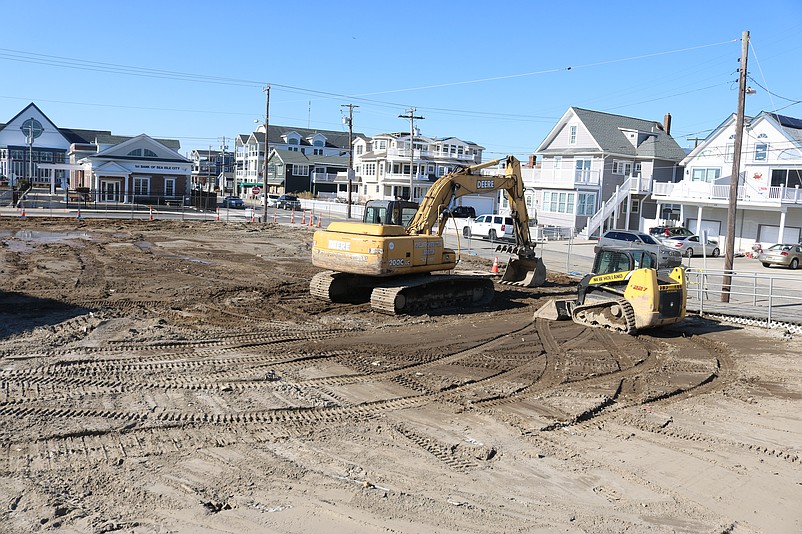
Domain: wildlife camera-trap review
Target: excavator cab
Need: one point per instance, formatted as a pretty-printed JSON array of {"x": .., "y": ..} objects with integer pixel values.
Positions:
[{"x": 398, "y": 212}]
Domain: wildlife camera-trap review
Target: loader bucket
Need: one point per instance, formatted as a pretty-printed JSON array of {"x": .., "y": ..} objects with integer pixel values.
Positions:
[
  {"x": 528, "y": 272},
  {"x": 555, "y": 310}
]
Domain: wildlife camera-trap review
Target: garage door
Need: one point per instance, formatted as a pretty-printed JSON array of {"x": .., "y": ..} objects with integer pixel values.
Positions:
[
  {"x": 771, "y": 234},
  {"x": 713, "y": 227}
]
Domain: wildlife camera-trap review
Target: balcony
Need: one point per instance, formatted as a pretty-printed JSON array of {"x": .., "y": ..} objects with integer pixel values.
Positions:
[
  {"x": 322, "y": 177},
  {"x": 403, "y": 153},
  {"x": 704, "y": 192},
  {"x": 568, "y": 178}
]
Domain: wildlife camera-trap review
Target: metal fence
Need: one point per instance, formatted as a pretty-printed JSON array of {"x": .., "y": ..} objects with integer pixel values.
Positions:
[{"x": 772, "y": 301}]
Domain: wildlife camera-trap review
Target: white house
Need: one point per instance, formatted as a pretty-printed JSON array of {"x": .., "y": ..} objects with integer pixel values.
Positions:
[
  {"x": 388, "y": 164},
  {"x": 597, "y": 170},
  {"x": 769, "y": 201}
]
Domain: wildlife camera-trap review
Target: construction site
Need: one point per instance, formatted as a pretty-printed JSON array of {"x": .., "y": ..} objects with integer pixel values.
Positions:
[{"x": 172, "y": 376}]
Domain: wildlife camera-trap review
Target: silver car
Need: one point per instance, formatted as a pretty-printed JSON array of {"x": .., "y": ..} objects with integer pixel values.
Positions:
[
  {"x": 667, "y": 258},
  {"x": 692, "y": 245},
  {"x": 783, "y": 254}
]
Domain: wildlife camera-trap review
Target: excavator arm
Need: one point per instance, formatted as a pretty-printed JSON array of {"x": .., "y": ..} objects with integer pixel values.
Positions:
[{"x": 469, "y": 181}]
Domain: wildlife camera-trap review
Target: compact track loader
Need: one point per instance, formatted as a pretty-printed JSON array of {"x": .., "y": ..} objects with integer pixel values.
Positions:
[{"x": 625, "y": 292}]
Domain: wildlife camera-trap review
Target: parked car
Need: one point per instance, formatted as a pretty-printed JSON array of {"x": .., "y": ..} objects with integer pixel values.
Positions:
[
  {"x": 667, "y": 232},
  {"x": 288, "y": 202},
  {"x": 491, "y": 226},
  {"x": 272, "y": 199},
  {"x": 692, "y": 245},
  {"x": 667, "y": 258},
  {"x": 232, "y": 201},
  {"x": 463, "y": 212},
  {"x": 783, "y": 254}
]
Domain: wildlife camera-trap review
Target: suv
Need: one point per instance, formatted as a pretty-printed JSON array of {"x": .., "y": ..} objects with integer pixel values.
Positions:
[
  {"x": 272, "y": 199},
  {"x": 288, "y": 202},
  {"x": 666, "y": 257},
  {"x": 492, "y": 227},
  {"x": 463, "y": 212}
]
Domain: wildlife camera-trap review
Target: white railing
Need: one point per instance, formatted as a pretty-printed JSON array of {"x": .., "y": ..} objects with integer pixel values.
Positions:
[
  {"x": 721, "y": 193},
  {"x": 568, "y": 178},
  {"x": 596, "y": 220},
  {"x": 318, "y": 177}
]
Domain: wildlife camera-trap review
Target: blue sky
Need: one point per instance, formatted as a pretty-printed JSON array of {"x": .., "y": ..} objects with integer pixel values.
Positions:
[{"x": 495, "y": 74}]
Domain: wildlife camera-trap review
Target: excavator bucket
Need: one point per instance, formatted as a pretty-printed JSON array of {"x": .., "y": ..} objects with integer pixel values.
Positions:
[
  {"x": 555, "y": 310},
  {"x": 529, "y": 272}
]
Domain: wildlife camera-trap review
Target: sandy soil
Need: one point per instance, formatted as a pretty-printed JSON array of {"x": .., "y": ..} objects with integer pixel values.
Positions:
[{"x": 177, "y": 377}]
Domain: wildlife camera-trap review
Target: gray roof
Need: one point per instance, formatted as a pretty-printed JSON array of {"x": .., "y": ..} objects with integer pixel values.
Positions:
[
  {"x": 290, "y": 156},
  {"x": 606, "y": 131},
  {"x": 334, "y": 139},
  {"x": 790, "y": 125}
]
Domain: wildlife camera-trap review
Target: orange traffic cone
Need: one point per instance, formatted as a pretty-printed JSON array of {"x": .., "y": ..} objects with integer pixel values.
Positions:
[
  {"x": 494, "y": 269},
  {"x": 218, "y": 214},
  {"x": 274, "y": 215},
  {"x": 311, "y": 219},
  {"x": 22, "y": 214},
  {"x": 79, "y": 214},
  {"x": 303, "y": 218},
  {"x": 292, "y": 216},
  {"x": 151, "y": 213},
  {"x": 318, "y": 220}
]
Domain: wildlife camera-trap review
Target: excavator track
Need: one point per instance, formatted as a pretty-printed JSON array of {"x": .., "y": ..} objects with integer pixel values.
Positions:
[
  {"x": 340, "y": 287},
  {"x": 431, "y": 293},
  {"x": 613, "y": 314}
]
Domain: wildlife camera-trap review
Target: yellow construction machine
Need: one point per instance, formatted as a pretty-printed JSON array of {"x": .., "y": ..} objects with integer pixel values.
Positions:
[
  {"x": 625, "y": 292},
  {"x": 394, "y": 260}
]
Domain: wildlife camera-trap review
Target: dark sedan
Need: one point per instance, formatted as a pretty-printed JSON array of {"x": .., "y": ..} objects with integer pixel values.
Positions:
[{"x": 233, "y": 202}]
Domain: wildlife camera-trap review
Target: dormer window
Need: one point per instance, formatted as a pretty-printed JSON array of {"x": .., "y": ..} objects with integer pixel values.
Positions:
[{"x": 143, "y": 152}]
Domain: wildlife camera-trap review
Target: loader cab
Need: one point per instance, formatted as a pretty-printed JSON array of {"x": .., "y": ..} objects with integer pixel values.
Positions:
[
  {"x": 398, "y": 212},
  {"x": 614, "y": 260}
]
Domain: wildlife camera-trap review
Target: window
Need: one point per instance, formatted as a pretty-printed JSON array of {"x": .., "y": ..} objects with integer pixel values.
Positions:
[
  {"x": 359, "y": 149},
  {"x": 318, "y": 151},
  {"x": 729, "y": 150},
  {"x": 622, "y": 167},
  {"x": 300, "y": 170},
  {"x": 572, "y": 135},
  {"x": 370, "y": 169},
  {"x": 761, "y": 151},
  {"x": 635, "y": 208},
  {"x": 561, "y": 202},
  {"x": 140, "y": 152},
  {"x": 786, "y": 178},
  {"x": 705, "y": 174},
  {"x": 382, "y": 145},
  {"x": 169, "y": 187},
  {"x": 586, "y": 204},
  {"x": 141, "y": 185}
]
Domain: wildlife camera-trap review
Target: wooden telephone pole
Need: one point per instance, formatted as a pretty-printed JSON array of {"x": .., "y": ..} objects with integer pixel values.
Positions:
[
  {"x": 350, "y": 121},
  {"x": 729, "y": 253}
]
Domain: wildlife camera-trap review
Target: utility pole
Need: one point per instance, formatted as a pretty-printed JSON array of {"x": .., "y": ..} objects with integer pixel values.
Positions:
[
  {"x": 695, "y": 140},
  {"x": 729, "y": 254},
  {"x": 411, "y": 116},
  {"x": 223, "y": 148},
  {"x": 350, "y": 120},
  {"x": 267, "y": 148},
  {"x": 209, "y": 168}
]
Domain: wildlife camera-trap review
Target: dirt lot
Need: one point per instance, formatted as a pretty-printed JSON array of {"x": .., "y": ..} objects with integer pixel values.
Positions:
[{"x": 177, "y": 377}]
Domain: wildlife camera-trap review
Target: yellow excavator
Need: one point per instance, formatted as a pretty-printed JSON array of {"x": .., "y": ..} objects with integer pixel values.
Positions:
[
  {"x": 394, "y": 260},
  {"x": 625, "y": 292}
]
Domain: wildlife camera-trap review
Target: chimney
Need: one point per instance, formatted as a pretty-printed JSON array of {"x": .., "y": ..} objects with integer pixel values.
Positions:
[{"x": 667, "y": 123}]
